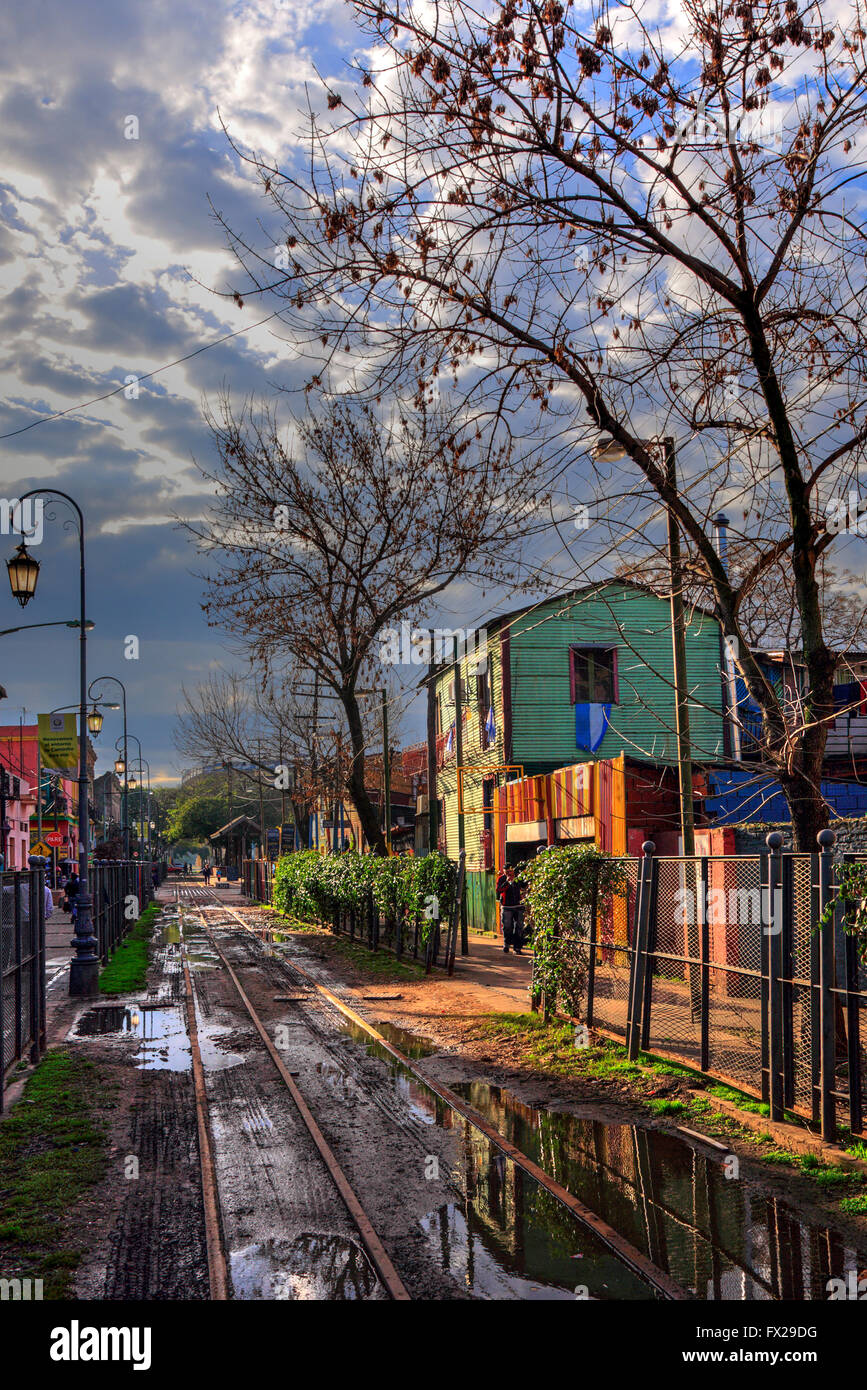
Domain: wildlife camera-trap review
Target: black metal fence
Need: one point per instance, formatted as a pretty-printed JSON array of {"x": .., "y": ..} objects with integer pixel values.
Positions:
[
  {"x": 22, "y": 950},
  {"x": 719, "y": 962},
  {"x": 434, "y": 943},
  {"x": 121, "y": 890}
]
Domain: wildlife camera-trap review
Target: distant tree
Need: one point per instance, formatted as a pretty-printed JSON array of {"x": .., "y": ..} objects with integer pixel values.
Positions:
[{"x": 197, "y": 818}]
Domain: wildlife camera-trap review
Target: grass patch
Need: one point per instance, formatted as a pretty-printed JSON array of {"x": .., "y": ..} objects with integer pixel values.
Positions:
[
  {"x": 754, "y": 1107},
  {"x": 382, "y": 964},
  {"x": 855, "y": 1206},
  {"x": 52, "y": 1149},
  {"x": 858, "y": 1149},
  {"x": 667, "y": 1107},
  {"x": 128, "y": 967}
]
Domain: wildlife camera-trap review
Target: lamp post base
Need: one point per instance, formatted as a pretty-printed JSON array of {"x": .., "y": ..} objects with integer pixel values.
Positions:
[{"x": 84, "y": 976}]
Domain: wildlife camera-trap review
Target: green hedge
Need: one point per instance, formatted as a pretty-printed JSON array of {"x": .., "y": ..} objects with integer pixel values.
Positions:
[{"x": 309, "y": 885}]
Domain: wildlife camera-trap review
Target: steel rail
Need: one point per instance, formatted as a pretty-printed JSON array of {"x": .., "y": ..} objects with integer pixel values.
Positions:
[
  {"x": 376, "y": 1251},
  {"x": 633, "y": 1258},
  {"x": 217, "y": 1264}
]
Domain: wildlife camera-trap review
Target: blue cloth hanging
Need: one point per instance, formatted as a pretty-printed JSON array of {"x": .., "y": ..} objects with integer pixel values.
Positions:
[
  {"x": 490, "y": 726},
  {"x": 591, "y": 721}
]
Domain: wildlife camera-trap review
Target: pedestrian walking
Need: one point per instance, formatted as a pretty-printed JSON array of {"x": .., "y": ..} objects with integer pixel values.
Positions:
[
  {"x": 71, "y": 890},
  {"x": 512, "y": 909}
]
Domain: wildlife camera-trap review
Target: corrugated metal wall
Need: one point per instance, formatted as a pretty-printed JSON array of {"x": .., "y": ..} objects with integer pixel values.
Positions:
[
  {"x": 473, "y": 753},
  {"x": 642, "y": 724}
]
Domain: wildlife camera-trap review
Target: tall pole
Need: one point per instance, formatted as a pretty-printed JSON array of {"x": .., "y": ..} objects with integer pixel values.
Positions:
[
  {"x": 125, "y": 815},
  {"x": 262, "y": 845},
  {"x": 84, "y": 967},
  {"x": 432, "y": 804},
  {"x": 678, "y": 636},
  {"x": 386, "y": 772},
  {"x": 459, "y": 755}
]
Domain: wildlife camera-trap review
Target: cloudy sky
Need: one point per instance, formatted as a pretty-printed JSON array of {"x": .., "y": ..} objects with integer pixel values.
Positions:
[{"x": 109, "y": 259}]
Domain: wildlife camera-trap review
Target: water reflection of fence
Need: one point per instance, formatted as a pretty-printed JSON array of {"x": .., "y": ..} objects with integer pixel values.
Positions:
[
  {"x": 717, "y": 1238},
  {"x": 22, "y": 953},
  {"x": 719, "y": 962}
]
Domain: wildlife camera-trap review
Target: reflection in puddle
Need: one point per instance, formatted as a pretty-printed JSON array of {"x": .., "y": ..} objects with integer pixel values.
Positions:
[
  {"x": 161, "y": 1031},
  {"x": 504, "y": 1236},
  {"x": 718, "y": 1238},
  {"x": 410, "y": 1044},
  {"x": 313, "y": 1267}
]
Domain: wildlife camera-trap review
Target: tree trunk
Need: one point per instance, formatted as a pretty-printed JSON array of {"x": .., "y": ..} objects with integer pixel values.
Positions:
[
  {"x": 364, "y": 806},
  {"x": 808, "y": 808}
]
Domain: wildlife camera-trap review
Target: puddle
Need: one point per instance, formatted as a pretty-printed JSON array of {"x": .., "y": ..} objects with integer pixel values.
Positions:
[
  {"x": 160, "y": 1029},
  {"x": 311, "y": 1268},
  {"x": 410, "y": 1044},
  {"x": 216, "y": 1057},
  {"x": 106, "y": 1018},
  {"x": 718, "y": 1238},
  {"x": 504, "y": 1236}
]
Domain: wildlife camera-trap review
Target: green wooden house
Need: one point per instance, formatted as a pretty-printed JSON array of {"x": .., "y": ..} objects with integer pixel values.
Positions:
[{"x": 587, "y": 675}]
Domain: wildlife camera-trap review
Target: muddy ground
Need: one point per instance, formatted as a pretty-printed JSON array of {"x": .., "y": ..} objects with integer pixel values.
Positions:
[
  {"x": 541, "y": 1067},
  {"x": 140, "y": 1232}
]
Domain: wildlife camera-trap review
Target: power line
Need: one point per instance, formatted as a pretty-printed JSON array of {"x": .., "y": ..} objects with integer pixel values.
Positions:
[{"x": 146, "y": 376}]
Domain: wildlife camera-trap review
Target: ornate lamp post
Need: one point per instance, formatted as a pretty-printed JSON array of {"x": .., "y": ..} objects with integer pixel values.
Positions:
[
  {"x": 122, "y": 759},
  {"x": 23, "y": 572},
  {"x": 141, "y": 763}
]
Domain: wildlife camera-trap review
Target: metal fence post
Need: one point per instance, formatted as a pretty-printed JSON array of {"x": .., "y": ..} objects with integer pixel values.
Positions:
[
  {"x": 591, "y": 953},
  {"x": 853, "y": 1038},
  {"x": 827, "y": 1039},
  {"x": 774, "y": 930},
  {"x": 639, "y": 954},
  {"x": 704, "y": 956}
]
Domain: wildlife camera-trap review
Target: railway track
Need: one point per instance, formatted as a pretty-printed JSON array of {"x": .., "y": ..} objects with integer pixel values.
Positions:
[
  {"x": 190, "y": 898},
  {"x": 215, "y": 914}
]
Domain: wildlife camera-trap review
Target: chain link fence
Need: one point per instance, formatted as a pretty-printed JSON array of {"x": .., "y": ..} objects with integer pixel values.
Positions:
[
  {"x": 22, "y": 951},
  {"x": 719, "y": 962}
]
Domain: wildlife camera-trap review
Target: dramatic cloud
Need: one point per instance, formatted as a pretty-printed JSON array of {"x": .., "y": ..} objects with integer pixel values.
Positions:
[{"x": 115, "y": 162}]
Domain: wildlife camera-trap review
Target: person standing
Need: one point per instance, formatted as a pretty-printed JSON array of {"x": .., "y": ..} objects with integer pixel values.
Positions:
[{"x": 513, "y": 912}]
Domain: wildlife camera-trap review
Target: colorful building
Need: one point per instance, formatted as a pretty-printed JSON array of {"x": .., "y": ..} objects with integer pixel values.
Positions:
[{"x": 566, "y": 730}]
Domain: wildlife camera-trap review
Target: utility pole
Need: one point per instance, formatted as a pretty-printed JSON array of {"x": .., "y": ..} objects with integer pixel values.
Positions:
[
  {"x": 262, "y": 836},
  {"x": 459, "y": 755},
  {"x": 433, "y": 828},
  {"x": 386, "y": 773},
  {"x": 314, "y": 819},
  {"x": 678, "y": 637}
]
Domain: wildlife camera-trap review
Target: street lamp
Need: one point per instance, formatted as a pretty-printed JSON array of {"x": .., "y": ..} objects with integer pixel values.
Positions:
[
  {"x": 23, "y": 572},
  {"x": 94, "y": 721},
  {"x": 120, "y": 765}
]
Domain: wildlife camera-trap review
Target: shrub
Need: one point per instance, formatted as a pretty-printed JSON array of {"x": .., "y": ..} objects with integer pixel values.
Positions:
[
  {"x": 563, "y": 883},
  {"x": 309, "y": 885}
]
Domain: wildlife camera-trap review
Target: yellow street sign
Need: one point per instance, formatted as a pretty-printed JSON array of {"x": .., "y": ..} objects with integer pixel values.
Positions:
[{"x": 41, "y": 849}]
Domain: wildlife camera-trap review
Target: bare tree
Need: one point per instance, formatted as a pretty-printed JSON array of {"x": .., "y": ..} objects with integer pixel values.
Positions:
[
  {"x": 321, "y": 543},
  {"x": 276, "y": 736},
  {"x": 649, "y": 229}
]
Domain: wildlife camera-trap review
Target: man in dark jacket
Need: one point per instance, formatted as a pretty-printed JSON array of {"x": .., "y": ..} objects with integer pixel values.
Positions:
[{"x": 513, "y": 911}]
